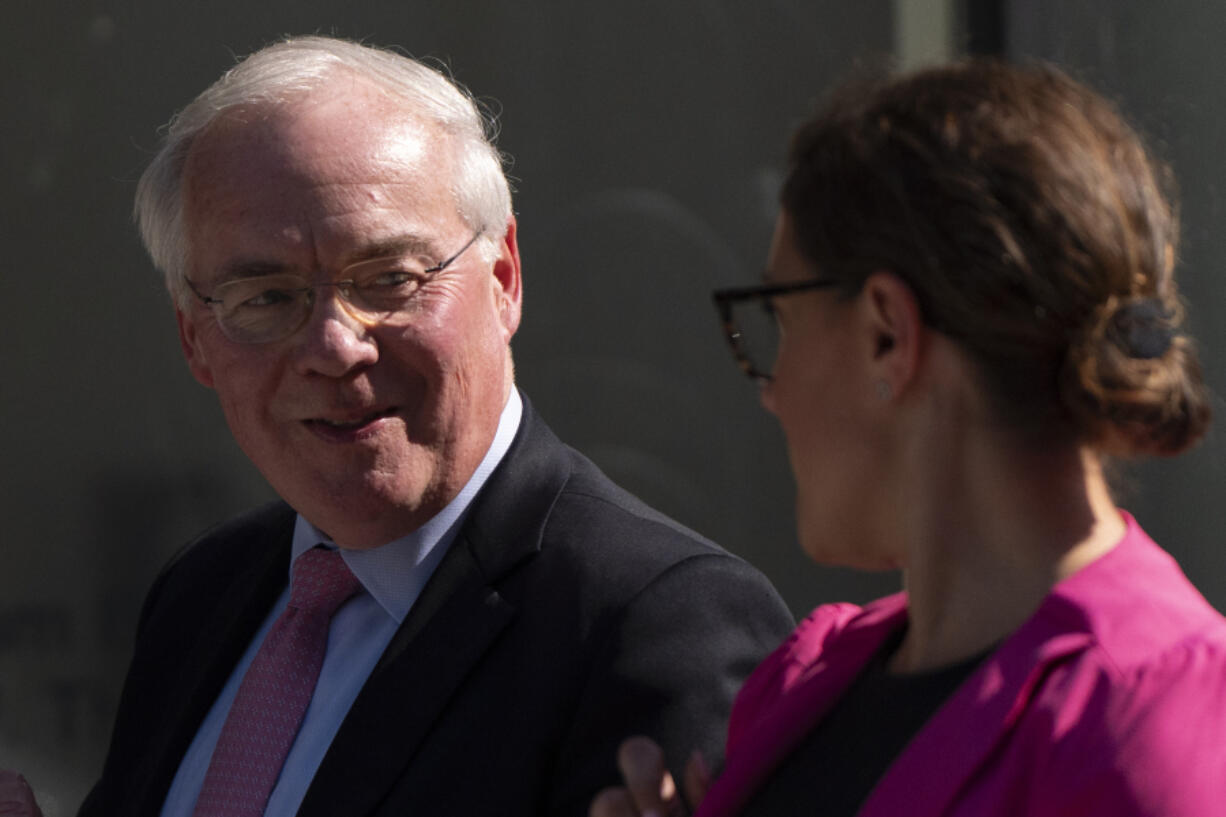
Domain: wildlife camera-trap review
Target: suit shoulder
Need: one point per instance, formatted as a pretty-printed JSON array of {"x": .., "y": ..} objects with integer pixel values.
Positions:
[
  {"x": 605, "y": 538},
  {"x": 1150, "y": 739},
  {"x": 219, "y": 543},
  {"x": 215, "y": 556},
  {"x": 1136, "y": 604},
  {"x": 590, "y": 497}
]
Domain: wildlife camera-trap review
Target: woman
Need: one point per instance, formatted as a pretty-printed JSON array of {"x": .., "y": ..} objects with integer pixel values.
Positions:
[{"x": 972, "y": 283}]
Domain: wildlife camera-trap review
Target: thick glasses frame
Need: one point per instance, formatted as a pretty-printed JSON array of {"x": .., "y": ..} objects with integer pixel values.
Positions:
[
  {"x": 727, "y": 299},
  {"x": 344, "y": 287}
]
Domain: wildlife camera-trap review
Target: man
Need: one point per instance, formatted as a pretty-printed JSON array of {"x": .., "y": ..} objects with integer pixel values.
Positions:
[{"x": 336, "y": 232}]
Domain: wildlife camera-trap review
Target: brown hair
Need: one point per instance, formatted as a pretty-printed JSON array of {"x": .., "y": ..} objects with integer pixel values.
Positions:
[{"x": 1034, "y": 229}]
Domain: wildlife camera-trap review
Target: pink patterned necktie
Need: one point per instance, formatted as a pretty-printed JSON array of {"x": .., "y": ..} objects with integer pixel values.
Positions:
[{"x": 275, "y": 691}]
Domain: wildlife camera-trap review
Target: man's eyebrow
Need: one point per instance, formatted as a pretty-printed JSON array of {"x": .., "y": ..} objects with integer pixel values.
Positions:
[
  {"x": 252, "y": 269},
  {"x": 407, "y": 244},
  {"x": 400, "y": 245}
]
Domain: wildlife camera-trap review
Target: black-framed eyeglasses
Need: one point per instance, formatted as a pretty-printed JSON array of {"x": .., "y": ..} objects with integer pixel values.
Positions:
[
  {"x": 749, "y": 322},
  {"x": 268, "y": 308}
]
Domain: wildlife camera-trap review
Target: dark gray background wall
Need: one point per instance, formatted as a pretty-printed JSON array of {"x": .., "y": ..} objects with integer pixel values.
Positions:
[{"x": 647, "y": 140}]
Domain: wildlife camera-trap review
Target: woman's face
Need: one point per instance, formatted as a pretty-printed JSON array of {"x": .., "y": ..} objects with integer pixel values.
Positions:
[{"x": 818, "y": 393}]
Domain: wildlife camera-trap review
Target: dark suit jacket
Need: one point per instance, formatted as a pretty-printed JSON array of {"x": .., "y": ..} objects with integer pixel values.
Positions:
[{"x": 566, "y": 615}]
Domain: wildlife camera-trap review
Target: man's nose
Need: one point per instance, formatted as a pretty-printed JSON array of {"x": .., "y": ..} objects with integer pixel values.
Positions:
[{"x": 336, "y": 339}]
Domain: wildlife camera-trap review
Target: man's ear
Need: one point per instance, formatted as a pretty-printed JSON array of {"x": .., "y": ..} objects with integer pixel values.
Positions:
[
  {"x": 192, "y": 350},
  {"x": 897, "y": 331},
  {"x": 508, "y": 284}
]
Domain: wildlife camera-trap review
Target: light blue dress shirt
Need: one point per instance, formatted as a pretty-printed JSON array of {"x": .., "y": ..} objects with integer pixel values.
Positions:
[{"x": 392, "y": 577}]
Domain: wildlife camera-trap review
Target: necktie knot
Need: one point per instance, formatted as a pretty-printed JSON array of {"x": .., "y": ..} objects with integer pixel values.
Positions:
[{"x": 322, "y": 582}]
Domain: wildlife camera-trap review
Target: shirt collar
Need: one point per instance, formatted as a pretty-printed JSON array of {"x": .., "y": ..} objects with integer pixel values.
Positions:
[{"x": 395, "y": 573}]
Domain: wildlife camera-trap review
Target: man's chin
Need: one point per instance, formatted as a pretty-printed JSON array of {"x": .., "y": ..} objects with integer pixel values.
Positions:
[{"x": 365, "y": 513}]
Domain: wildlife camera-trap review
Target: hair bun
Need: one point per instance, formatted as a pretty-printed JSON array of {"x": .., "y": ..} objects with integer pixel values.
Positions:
[
  {"x": 1132, "y": 381},
  {"x": 1142, "y": 329}
]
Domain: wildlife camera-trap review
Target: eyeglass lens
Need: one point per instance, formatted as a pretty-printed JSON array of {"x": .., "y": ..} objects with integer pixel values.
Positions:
[
  {"x": 757, "y": 333},
  {"x": 251, "y": 309},
  {"x": 271, "y": 307}
]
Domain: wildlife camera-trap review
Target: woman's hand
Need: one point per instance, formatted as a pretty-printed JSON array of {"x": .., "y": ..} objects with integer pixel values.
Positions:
[
  {"x": 650, "y": 790},
  {"x": 16, "y": 798}
]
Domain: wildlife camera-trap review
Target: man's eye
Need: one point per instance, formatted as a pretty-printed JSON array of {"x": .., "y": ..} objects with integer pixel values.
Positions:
[
  {"x": 267, "y": 298},
  {"x": 396, "y": 282},
  {"x": 392, "y": 278}
]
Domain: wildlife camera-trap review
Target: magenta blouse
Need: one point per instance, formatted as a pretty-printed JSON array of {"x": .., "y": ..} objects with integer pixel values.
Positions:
[{"x": 1109, "y": 700}]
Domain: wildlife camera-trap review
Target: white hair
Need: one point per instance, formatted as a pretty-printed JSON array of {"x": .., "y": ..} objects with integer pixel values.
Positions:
[{"x": 287, "y": 70}]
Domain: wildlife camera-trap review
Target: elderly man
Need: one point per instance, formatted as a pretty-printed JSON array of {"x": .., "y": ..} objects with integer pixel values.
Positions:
[{"x": 451, "y": 613}]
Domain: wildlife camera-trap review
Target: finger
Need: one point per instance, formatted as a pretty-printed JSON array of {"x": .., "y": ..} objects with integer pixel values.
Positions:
[
  {"x": 697, "y": 779},
  {"x": 16, "y": 797},
  {"x": 651, "y": 787},
  {"x": 613, "y": 802}
]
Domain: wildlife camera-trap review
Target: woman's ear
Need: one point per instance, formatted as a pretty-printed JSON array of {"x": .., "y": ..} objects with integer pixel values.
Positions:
[{"x": 897, "y": 332}]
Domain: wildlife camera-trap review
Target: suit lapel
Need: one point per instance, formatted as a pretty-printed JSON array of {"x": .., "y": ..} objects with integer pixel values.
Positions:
[
  {"x": 239, "y": 611},
  {"x": 400, "y": 702},
  {"x": 503, "y": 527},
  {"x": 451, "y": 626},
  {"x": 926, "y": 779},
  {"x": 766, "y": 743}
]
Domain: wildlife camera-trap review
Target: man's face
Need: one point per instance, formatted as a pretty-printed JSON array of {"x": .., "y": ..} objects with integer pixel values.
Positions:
[{"x": 366, "y": 430}]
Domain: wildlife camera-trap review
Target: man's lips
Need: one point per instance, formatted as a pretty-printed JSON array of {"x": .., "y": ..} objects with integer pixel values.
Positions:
[{"x": 346, "y": 427}]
